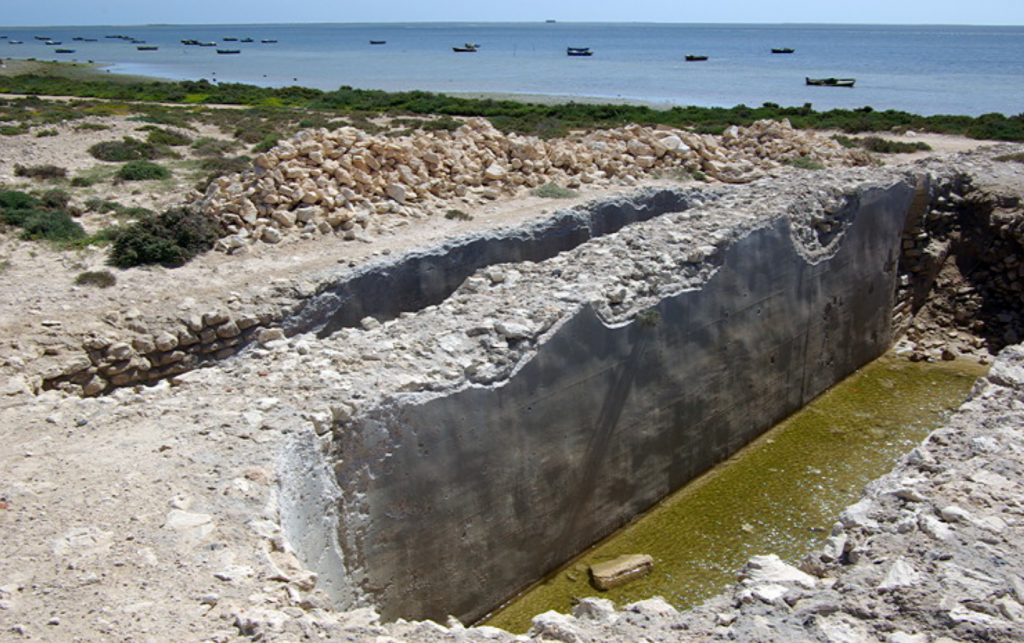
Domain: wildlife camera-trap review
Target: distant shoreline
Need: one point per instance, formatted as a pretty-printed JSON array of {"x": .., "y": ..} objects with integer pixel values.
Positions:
[{"x": 99, "y": 71}]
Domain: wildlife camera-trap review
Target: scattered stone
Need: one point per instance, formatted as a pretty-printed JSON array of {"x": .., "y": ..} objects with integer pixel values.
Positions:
[{"x": 621, "y": 570}]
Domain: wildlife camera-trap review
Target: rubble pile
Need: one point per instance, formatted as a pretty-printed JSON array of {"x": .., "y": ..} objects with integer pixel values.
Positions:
[{"x": 338, "y": 182}]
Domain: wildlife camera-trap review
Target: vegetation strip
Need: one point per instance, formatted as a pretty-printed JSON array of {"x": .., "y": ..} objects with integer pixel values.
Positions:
[{"x": 507, "y": 115}]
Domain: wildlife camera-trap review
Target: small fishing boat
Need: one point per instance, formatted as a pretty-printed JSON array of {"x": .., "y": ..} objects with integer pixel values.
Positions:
[
  {"x": 78, "y": 38},
  {"x": 246, "y": 40},
  {"x": 782, "y": 50},
  {"x": 229, "y": 51},
  {"x": 579, "y": 51},
  {"x": 695, "y": 58},
  {"x": 42, "y": 37},
  {"x": 831, "y": 82},
  {"x": 378, "y": 42},
  {"x": 63, "y": 51},
  {"x": 14, "y": 42},
  {"x": 207, "y": 44},
  {"x": 268, "y": 41},
  {"x": 231, "y": 40},
  {"x": 469, "y": 47},
  {"x": 53, "y": 42},
  {"x": 89, "y": 40},
  {"x": 147, "y": 47}
]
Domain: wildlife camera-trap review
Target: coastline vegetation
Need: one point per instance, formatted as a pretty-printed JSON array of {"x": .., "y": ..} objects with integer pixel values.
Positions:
[{"x": 267, "y": 107}]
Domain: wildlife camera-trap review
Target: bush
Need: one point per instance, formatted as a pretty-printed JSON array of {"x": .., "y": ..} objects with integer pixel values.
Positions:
[
  {"x": 97, "y": 278},
  {"x": 55, "y": 199},
  {"x": 806, "y": 163},
  {"x": 552, "y": 191},
  {"x": 51, "y": 225},
  {"x": 159, "y": 136},
  {"x": 142, "y": 171},
  {"x": 43, "y": 133},
  {"x": 11, "y": 201},
  {"x": 85, "y": 181},
  {"x": 172, "y": 239},
  {"x": 886, "y": 146},
  {"x": 265, "y": 144},
  {"x": 40, "y": 171},
  {"x": 209, "y": 146},
  {"x": 129, "y": 149},
  {"x": 118, "y": 210},
  {"x": 457, "y": 215}
]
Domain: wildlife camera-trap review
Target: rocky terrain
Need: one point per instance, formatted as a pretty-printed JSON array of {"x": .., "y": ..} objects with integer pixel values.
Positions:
[{"x": 150, "y": 513}]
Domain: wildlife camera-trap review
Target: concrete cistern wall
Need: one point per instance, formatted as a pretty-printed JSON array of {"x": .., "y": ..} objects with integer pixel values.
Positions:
[{"x": 446, "y": 499}]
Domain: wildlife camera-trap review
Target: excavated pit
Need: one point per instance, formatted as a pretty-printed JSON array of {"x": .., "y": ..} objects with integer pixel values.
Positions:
[
  {"x": 425, "y": 278},
  {"x": 445, "y": 495}
]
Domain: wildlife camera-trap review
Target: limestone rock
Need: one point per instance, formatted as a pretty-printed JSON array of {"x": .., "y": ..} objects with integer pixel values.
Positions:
[
  {"x": 771, "y": 569},
  {"x": 621, "y": 570}
]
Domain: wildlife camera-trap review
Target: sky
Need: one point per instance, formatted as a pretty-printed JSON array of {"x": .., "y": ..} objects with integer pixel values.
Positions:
[{"x": 135, "y": 12}]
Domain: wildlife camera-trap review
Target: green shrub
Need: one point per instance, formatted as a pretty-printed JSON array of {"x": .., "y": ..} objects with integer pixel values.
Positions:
[
  {"x": 12, "y": 200},
  {"x": 43, "y": 172},
  {"x": 266, "y": 143},
  {"x": 85, "y": 181},
  {"x": 171, "y": 238},
  {"x": 91, "y": 127},
  {"x": 552, "y": 191},
  {"x": 142, "y": 171},
  {"x": 159, "y": 136},
  {"x": 209, "y": 146},
  {"x": 457, "y": 215},
  {"x": 118, "y": 210},
  {"x": 129, "y": 149},
  {"x": 649, "y": 318},
  {"x": 446, "y": 123},
  {"x": 43, "y": 133},
  {"x": 97, "y": 278},
  {"x": 806, "y": 163},
  {"x": 51, "y": 225},
  {"x": 886, "y": 146},
  {"x": 1016, "y": 157},
  {"x": 55, "y": 199}
]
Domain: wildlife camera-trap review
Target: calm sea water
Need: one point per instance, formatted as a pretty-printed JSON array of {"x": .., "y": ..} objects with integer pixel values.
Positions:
[{"x": 920, "y": 69}]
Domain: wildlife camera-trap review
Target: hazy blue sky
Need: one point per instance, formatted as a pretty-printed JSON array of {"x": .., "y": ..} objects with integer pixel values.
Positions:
[{"x": 130, "y": 12}]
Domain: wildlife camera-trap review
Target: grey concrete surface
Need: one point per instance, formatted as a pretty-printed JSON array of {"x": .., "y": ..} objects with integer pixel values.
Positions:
[{"x": 452, "y": 503}]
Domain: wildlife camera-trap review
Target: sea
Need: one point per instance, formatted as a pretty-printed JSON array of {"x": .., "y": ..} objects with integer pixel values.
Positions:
[{"x": 923, "y": 69}]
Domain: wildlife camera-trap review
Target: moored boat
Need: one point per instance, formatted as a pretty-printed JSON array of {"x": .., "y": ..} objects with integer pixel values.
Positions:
[
  {"x": 831, "y": 82},
  {"x": 229, "y": 51},
  {"x": 782, "y": 50},
  {"x": 63, "y": 51},
  {"x": 268, "y": 41},
  {"x": 469, "y": 47},
  {"x": 579, "y": 51},
  {"x": 695, "y": 58},
  {"x": 378, "y": 42},
  {"x": 147, "y": 47}
]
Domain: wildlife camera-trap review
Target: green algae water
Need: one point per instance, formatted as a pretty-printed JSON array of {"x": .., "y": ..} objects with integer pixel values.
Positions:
[{"x": 780, "y": 494}]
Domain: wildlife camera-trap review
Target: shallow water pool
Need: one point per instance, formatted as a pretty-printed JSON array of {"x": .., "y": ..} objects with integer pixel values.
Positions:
[{"x": 781, "y": 494}]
